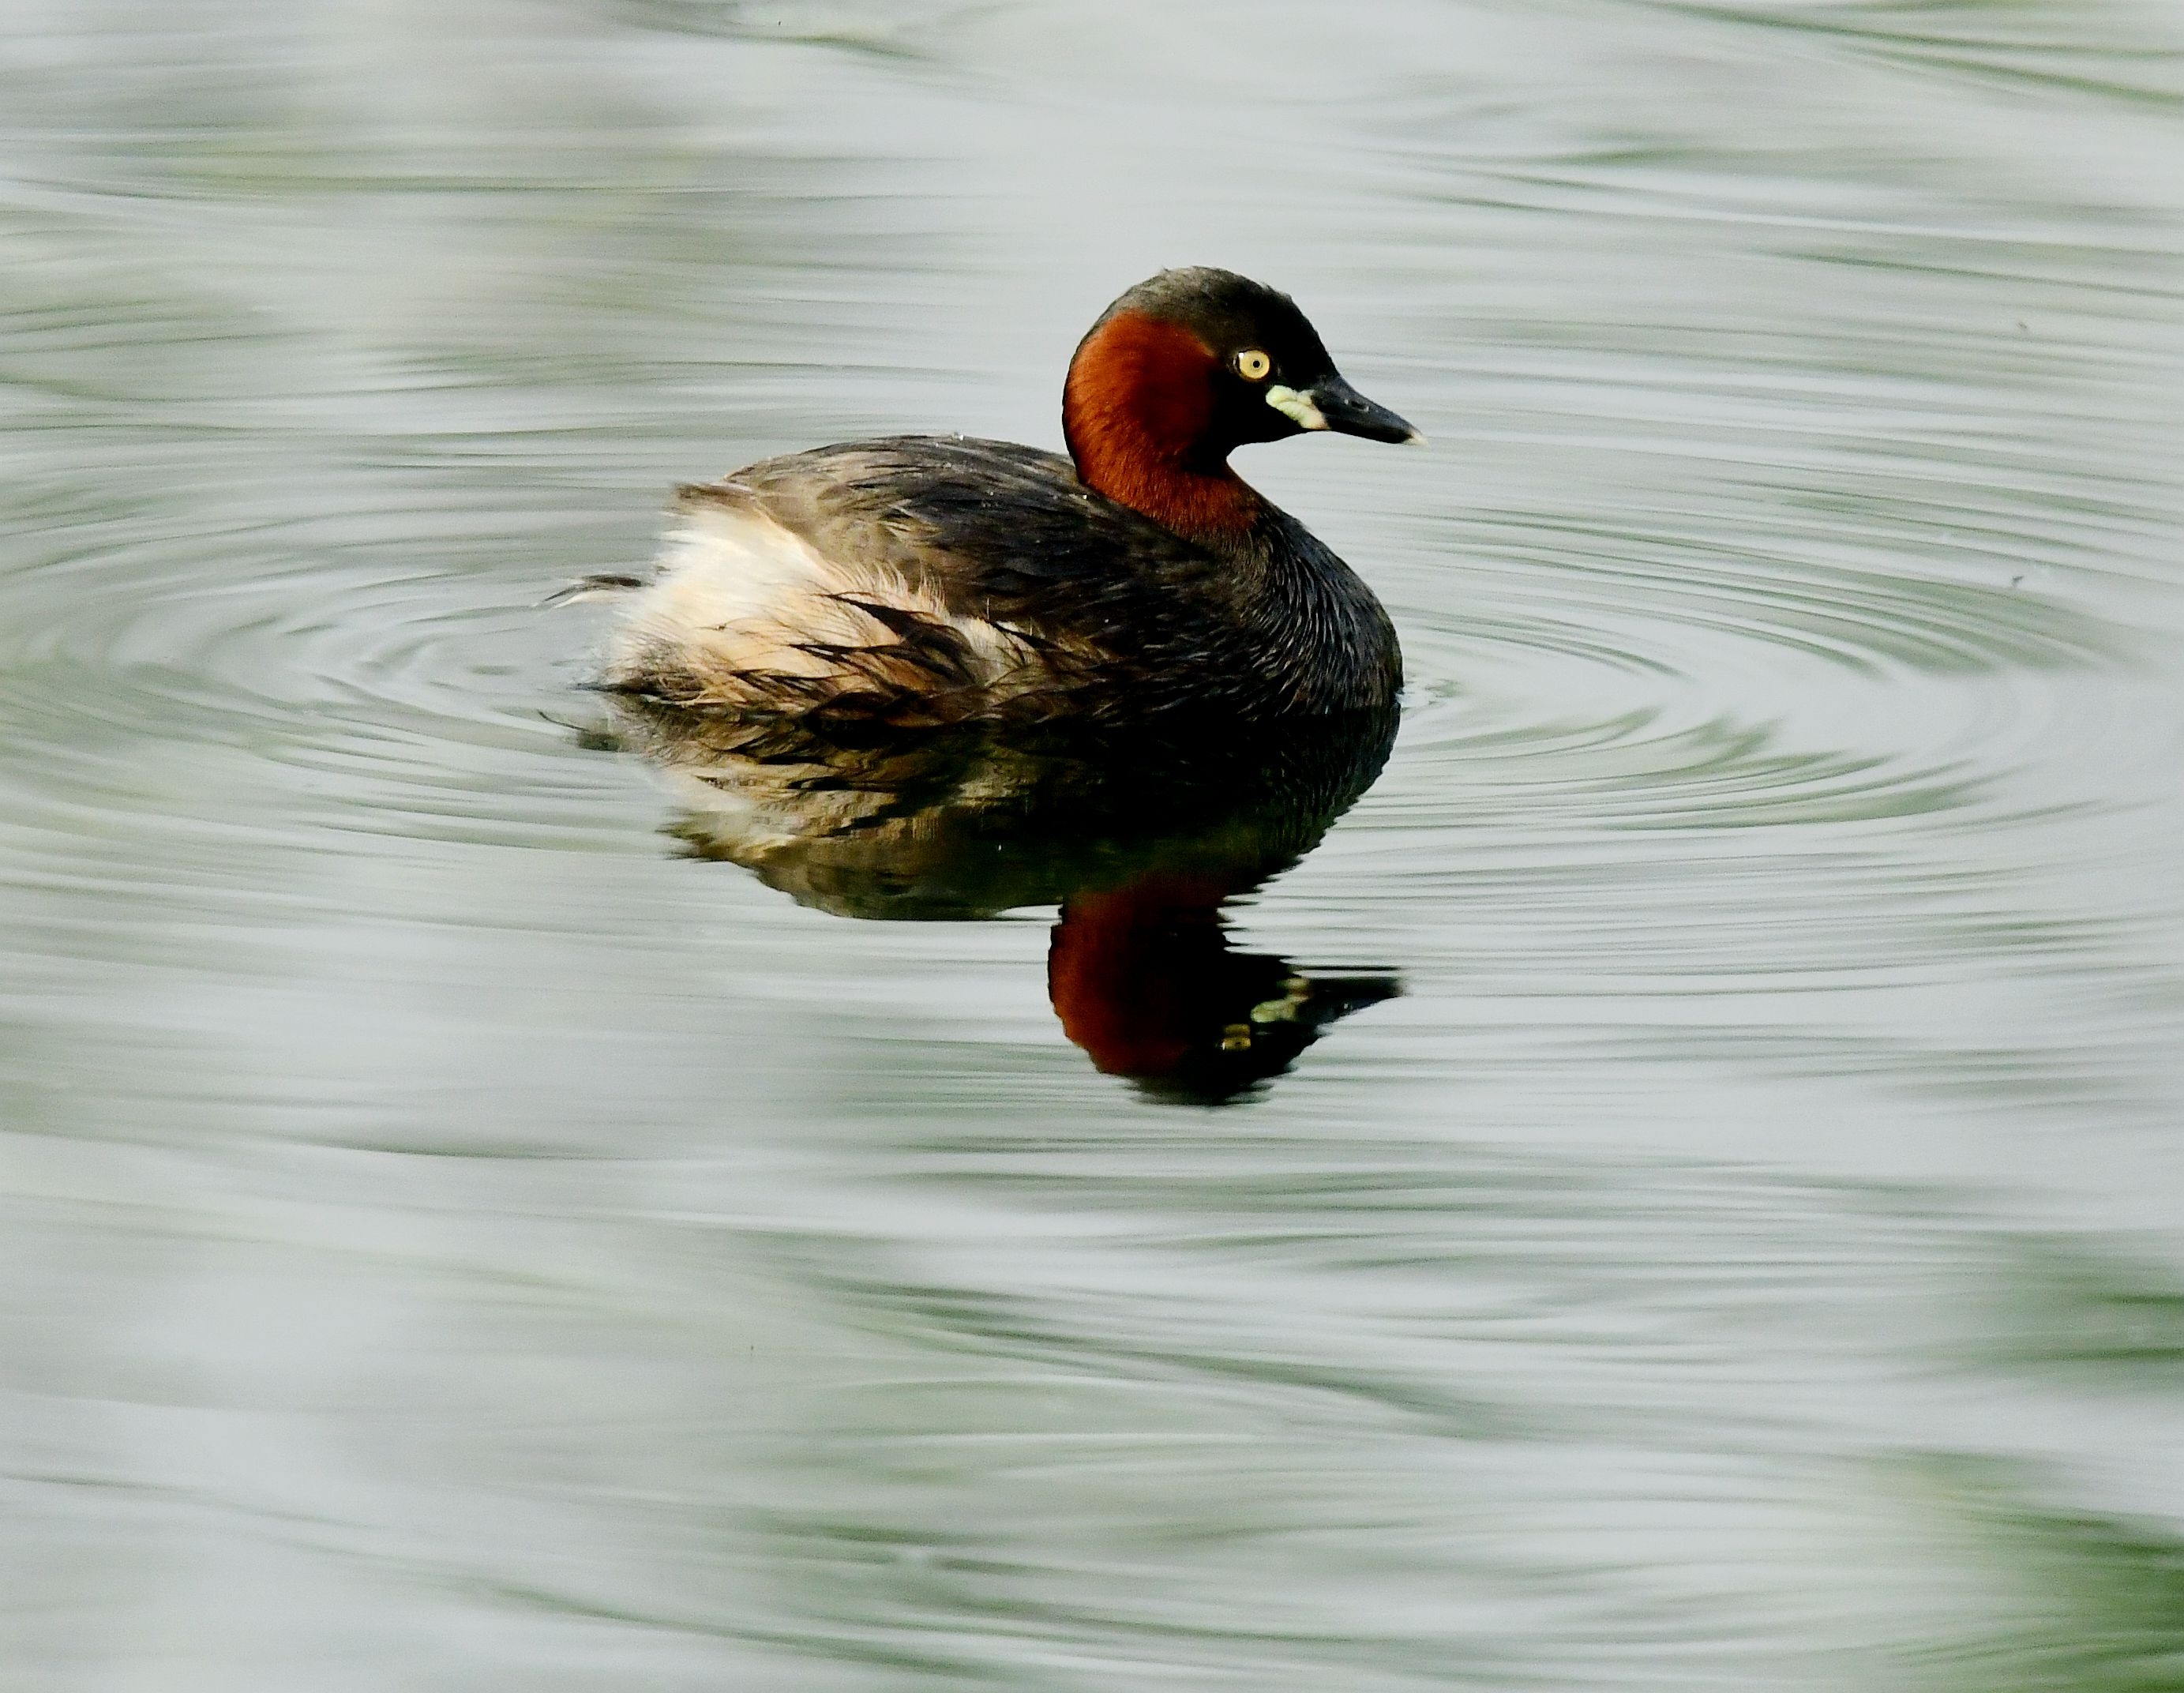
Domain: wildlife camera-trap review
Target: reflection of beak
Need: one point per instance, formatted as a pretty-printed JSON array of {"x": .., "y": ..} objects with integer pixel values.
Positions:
[{"x": 1333, "y": 403}]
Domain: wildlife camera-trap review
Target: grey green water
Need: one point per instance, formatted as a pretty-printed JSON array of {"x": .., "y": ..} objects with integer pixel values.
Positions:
[{"x": 453, "y": 1239}]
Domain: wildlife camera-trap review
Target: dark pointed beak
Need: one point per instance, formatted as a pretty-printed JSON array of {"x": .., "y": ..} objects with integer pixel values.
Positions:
[{"x": 1349, "y": 411}]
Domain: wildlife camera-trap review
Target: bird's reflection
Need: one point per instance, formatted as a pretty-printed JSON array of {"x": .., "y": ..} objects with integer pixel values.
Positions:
[{"x": 1141, "y": 842}]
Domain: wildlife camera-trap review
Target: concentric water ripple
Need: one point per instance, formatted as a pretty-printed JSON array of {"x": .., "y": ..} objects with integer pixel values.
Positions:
[{"x": 406, "y": 683}]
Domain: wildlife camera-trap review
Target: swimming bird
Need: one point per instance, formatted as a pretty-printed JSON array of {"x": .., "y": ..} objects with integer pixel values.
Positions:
[{"x": 920, "y": 580}]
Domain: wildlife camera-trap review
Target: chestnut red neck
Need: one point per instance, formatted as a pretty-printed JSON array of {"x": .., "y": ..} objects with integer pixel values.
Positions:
[{"x": 1138, "y": 413}]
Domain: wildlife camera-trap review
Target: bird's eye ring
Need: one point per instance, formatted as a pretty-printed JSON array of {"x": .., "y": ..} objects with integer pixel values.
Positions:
[{"x": 1253, "y": 364}]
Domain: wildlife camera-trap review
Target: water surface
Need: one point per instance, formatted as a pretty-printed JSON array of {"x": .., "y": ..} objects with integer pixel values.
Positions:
[{"x": 459, "y": 1236}]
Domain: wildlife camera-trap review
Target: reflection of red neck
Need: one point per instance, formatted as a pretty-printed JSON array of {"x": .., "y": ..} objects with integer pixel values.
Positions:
[
  {"x": 1136, "y": 412},
  {"x": 1128, "y": 971}
]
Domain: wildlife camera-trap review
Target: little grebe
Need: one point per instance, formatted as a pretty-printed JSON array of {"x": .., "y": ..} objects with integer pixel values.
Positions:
[{"x": 924, "y": 580}]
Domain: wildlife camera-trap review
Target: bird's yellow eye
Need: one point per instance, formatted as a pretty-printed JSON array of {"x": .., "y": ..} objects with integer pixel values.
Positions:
[{"x": 1253, "y": 365}]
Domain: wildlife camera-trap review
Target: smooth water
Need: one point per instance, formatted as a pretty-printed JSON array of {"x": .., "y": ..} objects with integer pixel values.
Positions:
[{"x": 455, "y": 1235}]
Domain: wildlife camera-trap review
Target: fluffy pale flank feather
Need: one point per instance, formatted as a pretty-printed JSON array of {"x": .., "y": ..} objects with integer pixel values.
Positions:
[{"x": 744, "y": 614}]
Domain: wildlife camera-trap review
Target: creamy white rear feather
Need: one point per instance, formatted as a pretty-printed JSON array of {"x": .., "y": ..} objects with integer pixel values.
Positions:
[{"x": 738, "y": 594}]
